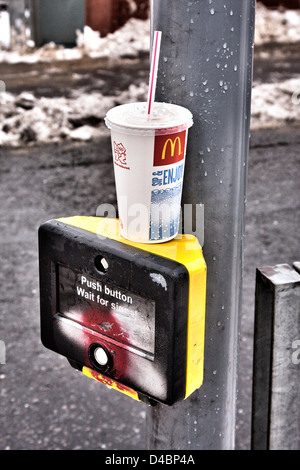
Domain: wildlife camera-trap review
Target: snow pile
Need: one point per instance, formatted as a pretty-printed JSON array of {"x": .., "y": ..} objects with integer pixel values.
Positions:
[
  {"x": 26, "y": 119},
  {"x": 129, "y": 41},
  {"x": 274, "y": 104},
  {"x": 276, "y": 25}
]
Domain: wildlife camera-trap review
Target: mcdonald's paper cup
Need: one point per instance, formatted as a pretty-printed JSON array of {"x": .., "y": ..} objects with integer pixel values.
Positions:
[{"x": 149, "y": 158}]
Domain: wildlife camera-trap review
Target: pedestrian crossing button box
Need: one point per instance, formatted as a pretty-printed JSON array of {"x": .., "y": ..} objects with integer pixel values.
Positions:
[{"x": 128, "y": 315}]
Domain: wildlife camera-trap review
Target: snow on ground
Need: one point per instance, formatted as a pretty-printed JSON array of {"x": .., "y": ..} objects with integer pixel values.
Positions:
[
  {"x": 130, "y": 40},
  {"x": 276, "y": 25},
  {"x": 274, "y": 104},
  {"x": 44, "y": 119},
  {"x": 27, "y": 119}
]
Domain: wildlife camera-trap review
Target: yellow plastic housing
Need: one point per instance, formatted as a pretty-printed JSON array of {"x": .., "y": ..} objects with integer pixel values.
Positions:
[{"x": 184, "y": 249}]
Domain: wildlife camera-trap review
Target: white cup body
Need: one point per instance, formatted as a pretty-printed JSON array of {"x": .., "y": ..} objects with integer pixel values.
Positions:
[{"x": 149, "y": 169}]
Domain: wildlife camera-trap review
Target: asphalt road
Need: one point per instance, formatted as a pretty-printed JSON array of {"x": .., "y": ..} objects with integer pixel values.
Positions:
[{"x": 45, "y": 404}]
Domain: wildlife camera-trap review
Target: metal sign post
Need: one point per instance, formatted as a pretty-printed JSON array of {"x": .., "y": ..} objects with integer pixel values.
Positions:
[
  {"x": 276, "y": 371},
  {"x": 206, "y": 66}
]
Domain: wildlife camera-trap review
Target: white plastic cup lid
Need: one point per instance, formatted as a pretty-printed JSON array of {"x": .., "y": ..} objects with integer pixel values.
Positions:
[{"x": 133, "y": 118}]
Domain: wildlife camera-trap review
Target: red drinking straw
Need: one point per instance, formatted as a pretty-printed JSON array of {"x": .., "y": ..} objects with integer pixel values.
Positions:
[{"x": 153, "y": 70}]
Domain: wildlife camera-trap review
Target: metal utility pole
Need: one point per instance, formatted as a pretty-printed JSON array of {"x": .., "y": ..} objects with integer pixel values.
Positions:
[{"x": 206, "y": 66}]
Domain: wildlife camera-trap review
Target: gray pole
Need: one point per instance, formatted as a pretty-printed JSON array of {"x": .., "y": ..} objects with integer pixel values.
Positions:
[{"x": 206, "y": 65}]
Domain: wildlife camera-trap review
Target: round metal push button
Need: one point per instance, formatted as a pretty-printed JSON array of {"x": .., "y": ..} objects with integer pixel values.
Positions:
[{"x": 100, "y": 357}]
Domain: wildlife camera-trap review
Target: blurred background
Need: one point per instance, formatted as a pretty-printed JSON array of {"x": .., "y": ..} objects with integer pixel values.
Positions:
[{"x": 63, "y": 64}]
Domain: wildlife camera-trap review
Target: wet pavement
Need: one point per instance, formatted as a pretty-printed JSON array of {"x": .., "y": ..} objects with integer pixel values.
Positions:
[
  {"x": 59, "y": 78},
  {"x": 45, "y": 404}
]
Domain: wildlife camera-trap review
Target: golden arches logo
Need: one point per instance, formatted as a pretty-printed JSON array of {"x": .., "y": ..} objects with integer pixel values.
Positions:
[{"x": 173, "y": 145}]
